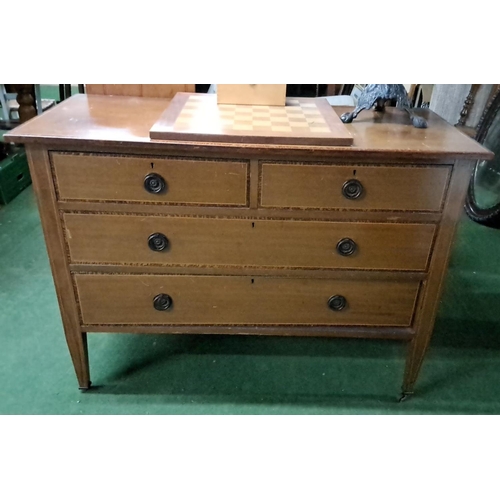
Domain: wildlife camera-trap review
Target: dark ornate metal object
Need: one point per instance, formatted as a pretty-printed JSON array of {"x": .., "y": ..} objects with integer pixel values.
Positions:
[
  {"x": 158, "y": 242},
  {"x": 337, "y": 303},
  {"x": 154, "y": 183},
  {"x": 377, "y": 95},
  {"x": 468, "y": 103},
  {"x": 346, "y": 247},
  {"x": 162, "y": 302},
  {"x": 352, "y": 189}
]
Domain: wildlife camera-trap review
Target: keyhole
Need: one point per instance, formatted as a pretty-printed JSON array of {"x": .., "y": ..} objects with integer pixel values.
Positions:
[
  {"x": 152, "y": 165},
  {"x": 253, "y": 224},
  {"x": 252, "y": 281},
  {"x": 354, "y": 173}
]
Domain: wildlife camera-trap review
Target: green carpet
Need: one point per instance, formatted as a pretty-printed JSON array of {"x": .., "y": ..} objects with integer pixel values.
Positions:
[{"x": 142, "y": 374}]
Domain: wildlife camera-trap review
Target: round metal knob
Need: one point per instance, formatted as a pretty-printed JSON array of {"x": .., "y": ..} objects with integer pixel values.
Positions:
[
  {"x": 154, "y": 184},
  {"x": 158, "y": 242},
  {"x": 352, "y": 189},
  {"x": 346, "y": 247},
  {"x": 162, "y": 302},
  {"x": 337, "y": 303}
]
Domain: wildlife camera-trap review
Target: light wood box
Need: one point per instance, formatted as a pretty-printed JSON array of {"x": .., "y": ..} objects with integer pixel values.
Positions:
[{"x": 256, "y": 94}]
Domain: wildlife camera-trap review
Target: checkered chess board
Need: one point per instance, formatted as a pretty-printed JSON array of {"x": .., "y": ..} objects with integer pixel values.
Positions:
[
  {"x": 301, "y": 121},
  {"x": 295, "y": 117}
]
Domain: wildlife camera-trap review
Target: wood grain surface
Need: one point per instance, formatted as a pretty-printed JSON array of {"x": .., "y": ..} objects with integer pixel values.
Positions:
[
  {"x": 251, "y": 94},
  {"x": 165, "y": 91},
  {"x": 227, "y": 300},
  {"x": 123, "y": 123},
  {"x": 349, "y": 332},
  {"x": 199, "y": 118},
  {"x": 121, "y": 178},
  {"x": 384, "y": 187},
  {"x": 46, "y": 198},
  {"x": 252, "y": 229},
  {"x": 123, "y": 239},
  {"x": 433, "y": 285}
]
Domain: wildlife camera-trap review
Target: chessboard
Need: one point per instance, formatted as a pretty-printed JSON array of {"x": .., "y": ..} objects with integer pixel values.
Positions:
[{"x": 302, "y": 121}]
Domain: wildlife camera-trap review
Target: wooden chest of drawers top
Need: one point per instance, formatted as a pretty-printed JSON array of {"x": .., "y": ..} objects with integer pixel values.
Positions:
[{"x": 123, "y": 123}]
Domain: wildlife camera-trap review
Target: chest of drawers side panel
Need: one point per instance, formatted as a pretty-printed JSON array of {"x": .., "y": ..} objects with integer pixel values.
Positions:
[
  {"x": 430, "y": 295},
  {"x": 43, "y": 185}
]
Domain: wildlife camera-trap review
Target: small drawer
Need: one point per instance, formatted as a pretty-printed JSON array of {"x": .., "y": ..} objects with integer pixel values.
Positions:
[
  {"x": 92, "y": 177},
  {"x": 163, "y": 240},
  {"x": 242, "y": 300},
  {"x": 355, "y": 187}
]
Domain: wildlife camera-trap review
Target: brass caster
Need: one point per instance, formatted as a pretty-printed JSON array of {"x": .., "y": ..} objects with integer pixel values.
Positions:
[
  {"x": 85, "y": 389},
  {"x": 405, "y": 396}
]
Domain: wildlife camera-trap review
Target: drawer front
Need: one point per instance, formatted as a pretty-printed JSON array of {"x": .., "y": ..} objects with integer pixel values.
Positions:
[
  {"x": 126, "y": 239},
  {"x": 242, "y": 300},
  {"x": 87, "y": 177},
  {"x": 353, "y": 187}
]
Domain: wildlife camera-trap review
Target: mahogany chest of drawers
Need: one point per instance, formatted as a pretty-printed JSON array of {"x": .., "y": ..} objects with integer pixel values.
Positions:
[{"x": 171, "y": 237}]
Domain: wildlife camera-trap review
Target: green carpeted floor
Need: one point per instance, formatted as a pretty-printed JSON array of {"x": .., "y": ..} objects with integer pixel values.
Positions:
[{"x": 243, "y": 375}]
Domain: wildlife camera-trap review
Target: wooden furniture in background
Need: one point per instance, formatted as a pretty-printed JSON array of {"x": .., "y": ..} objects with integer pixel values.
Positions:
[
  {"x": 26, "y": 101},
  {"x": 181, "y": 237},
  {"x": 65, "y": 90},
  {"x": 25, "y": 97},
  {"x": 21, "y": 102},
  {"x": 463, "y": 122},
  {"x": 166, "y": 91},
  {"x": 469, "y": 101},
  {"x": 419, "y": 93},
  {"x": 491, "y": 98}
]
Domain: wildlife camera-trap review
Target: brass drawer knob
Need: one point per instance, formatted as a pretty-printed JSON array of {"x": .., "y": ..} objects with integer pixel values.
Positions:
[
  {"x": 162, "y": 302},
  {"x": 337, "y": 303},
  {"x": 158, "y": 242},
  {"x": 346, "y": 247},
  {"x": 352, "y": 189},
  {"x": 154, "y": 184}
]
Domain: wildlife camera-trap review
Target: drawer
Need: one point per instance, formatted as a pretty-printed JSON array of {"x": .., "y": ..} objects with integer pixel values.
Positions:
[
  {"x": 125, "y": 239},
  {"x": 355, "y": 187},
  {"x": 242, "y": 300},
  {"x": 88, "y": 177}
]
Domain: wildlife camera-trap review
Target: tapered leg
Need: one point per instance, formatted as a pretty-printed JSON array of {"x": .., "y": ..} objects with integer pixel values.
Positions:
[
  {"x": 54, "y": 238},
  {"x": 430, "y": 293},
  {"x": 80, "y": 355},
  {"x": 415, "y": 357}
]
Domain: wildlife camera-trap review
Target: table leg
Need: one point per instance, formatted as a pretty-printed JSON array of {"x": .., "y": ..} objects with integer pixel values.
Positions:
[
  {"x": 82, "y": 367},
  {"x": 430, "y": 293},
  {"x": 41, "y": 174}
]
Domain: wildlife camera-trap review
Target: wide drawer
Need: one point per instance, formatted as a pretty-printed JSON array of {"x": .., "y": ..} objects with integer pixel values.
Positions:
[
  {"x": 242, "y": 300},
  {"x": 129, "y": 239},
  {"x": 356, "y": 187},
  {"x": 92, "y": 177}
]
